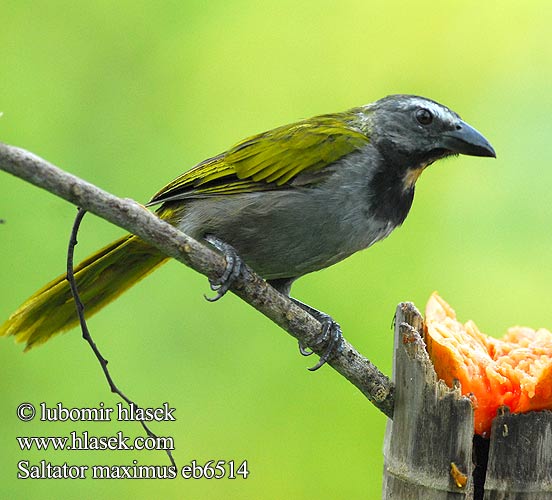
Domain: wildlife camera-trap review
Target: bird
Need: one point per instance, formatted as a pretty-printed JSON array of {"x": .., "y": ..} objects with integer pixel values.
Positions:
[{"x": 287, "y": 202}]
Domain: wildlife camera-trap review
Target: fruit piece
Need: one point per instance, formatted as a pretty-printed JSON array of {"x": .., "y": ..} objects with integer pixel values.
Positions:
[{"x": 515, "y": 371}]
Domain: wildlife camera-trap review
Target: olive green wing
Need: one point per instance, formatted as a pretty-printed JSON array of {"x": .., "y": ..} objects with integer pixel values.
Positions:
[{"x": 270, "y": 160}]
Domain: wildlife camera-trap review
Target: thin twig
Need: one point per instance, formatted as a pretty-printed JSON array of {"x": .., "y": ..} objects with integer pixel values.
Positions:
[
  {"x": 250, "y": 287},
  {"x": 84, "y": 327}
]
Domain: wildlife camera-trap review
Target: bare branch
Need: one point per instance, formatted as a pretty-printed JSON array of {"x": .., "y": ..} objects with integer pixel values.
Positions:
[
  {"x": 86, "y": 332},
  {"x": 133, "y": 217}
]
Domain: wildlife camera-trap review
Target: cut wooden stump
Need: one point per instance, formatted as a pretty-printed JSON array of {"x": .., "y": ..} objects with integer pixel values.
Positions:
[{"x": 430, "y": 449}]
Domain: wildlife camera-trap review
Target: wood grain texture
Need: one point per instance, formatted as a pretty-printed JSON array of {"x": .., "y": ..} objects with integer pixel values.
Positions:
[
  {"x": 430, "y": 450},
  {"x": 432, "y": 426},
  {"x": 520, "y": 457}
]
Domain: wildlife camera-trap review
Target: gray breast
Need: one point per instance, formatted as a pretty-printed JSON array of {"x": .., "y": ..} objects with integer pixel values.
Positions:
[{"x": 290, "y": 232}]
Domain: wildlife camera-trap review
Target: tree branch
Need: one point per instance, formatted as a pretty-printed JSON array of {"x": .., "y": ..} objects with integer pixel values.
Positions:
[
  {"x": 86, "y": 332},
  {"x": 133, "y": 217}
]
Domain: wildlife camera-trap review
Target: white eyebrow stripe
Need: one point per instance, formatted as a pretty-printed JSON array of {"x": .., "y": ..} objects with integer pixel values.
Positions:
[{"x": 438, "y": 110}]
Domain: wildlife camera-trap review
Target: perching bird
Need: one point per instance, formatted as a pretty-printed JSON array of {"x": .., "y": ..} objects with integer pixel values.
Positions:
[{"x": 290, "y": 201}]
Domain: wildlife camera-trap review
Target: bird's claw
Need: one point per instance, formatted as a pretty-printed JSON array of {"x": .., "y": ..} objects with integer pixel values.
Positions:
[
  {"x": 331, "y": 336},
  {"x": 232, "y": 270},
  {"x": 305, "y": 351}
]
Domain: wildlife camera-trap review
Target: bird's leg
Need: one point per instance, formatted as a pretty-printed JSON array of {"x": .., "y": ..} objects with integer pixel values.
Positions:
[
  {"x": 231, "y": 272},
  {"x": 331, "y": 334}
]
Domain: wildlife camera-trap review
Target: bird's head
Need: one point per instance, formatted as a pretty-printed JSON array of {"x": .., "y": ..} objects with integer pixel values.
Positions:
[{"x": 411, "y": 132}]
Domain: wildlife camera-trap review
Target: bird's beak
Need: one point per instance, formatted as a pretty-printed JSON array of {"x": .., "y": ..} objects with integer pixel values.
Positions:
[{"x": 466, "y": 140}]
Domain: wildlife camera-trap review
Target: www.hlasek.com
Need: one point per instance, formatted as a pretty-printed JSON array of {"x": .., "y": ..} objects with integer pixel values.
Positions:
[{"x": 211, "y": 469}]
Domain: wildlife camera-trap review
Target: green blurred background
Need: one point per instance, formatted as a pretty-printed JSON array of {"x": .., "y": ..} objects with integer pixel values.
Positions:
[{"x": 129, "y": 94}]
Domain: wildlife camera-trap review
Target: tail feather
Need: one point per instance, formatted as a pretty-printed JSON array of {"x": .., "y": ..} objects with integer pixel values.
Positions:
[{"x": 100, "y": 278}]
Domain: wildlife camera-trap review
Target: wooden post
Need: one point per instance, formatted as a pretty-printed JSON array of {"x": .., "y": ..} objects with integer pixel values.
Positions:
[{"x": 430, "y": 450}]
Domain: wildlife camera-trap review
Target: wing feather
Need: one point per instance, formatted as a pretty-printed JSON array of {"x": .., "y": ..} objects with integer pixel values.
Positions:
[{"x": 269, "y": 160}]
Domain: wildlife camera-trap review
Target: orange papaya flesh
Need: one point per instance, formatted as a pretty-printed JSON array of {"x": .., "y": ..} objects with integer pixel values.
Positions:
[{"x": 515, "y": 371}]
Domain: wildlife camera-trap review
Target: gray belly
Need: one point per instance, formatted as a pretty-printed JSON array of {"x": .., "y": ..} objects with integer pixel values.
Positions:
[{"x": 288, "y": 233}]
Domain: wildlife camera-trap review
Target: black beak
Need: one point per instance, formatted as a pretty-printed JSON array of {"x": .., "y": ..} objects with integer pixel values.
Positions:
[{"x": 465, "y": 140}]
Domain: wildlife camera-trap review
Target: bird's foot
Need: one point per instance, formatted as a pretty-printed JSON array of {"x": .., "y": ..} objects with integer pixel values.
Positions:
[
  {"x": 231, "y": 272},
  {"x": 330, "y": 336}
]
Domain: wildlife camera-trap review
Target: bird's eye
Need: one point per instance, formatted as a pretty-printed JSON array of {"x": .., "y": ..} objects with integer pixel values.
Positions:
[{"x": 424, "y": 116}]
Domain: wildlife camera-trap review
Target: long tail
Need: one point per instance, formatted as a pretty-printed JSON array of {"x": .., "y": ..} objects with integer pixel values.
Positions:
[{"x": 100, "y": 278}]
